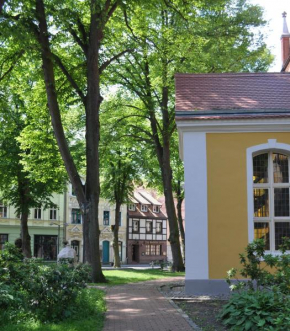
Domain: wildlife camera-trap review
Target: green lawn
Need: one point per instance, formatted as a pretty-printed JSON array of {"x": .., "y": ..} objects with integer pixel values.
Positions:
[
  {"x": 125, "y": 276},
  {"x": 90, "y": 316}
]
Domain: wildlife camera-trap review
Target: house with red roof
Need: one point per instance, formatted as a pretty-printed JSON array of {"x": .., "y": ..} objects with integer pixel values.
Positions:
[
  {"x": 147, "y": 229},
  {"x": 234, "y": 136}
]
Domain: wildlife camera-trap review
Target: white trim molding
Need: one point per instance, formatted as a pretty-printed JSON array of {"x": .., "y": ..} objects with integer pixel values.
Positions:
[
  {"x": 195, "y": 167},
  {"x": 230, "y": 126},
  {"x": 271, "y": 145}
]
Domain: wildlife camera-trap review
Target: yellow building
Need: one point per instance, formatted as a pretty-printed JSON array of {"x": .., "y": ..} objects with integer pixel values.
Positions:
[{"x": 234, "y": 134}]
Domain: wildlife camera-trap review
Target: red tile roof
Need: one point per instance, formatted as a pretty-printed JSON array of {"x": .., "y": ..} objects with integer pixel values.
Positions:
[
  {"x": 149, "y": 214},
  {"x": 247, "y": 92}
]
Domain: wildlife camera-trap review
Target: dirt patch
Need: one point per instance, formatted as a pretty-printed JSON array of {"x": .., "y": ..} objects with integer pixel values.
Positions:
[{"x": 203, "y": 313}]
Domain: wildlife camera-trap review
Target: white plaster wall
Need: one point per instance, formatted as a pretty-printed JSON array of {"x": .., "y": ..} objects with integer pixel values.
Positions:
[{"x": 196, "y": 235}]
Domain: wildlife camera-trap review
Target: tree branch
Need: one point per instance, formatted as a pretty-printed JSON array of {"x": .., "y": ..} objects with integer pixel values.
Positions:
[
  {"x": 77, "y": 39},
  {"x": 110, "y": 12},
  {"x": 18, "y": 56},
  {"x": 150, "y": 135},
  {"x": 69, "y": 78},
  {"x": 115, "y": 57}
]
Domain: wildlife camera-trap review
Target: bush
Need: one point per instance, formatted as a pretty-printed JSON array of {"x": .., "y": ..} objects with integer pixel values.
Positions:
[
  {"x": 263, "y": 270},
  {"x": 256, "y": 310},
  {"x": 47, "y": 292},
  {"x": 262, "y": 302}
]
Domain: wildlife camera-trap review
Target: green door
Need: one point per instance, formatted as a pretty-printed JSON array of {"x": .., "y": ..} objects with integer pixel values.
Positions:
[{"x": 106, "y": 246}]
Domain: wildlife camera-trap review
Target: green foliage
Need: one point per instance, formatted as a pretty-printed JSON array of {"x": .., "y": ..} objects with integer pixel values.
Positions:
[
  {"x": 46, "y": 292},
  {"x": 262, "y": 302},
  {"x": 263, "y": 270},
  {"x": 257, "y": 310},
  {"x": 90, "y": 305}
]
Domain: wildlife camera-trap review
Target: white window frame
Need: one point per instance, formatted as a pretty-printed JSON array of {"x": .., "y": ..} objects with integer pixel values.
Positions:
[
  {"x": 156, "y": 209},
  {"x": 273, "y": 147},
  {"x": 4, "y": 209},
  {"x": 144, "y": 208},
  {"x": 132, "y": 207},
  {"x": 37, "y": 213},
  {"x": 53, "y": 212}
]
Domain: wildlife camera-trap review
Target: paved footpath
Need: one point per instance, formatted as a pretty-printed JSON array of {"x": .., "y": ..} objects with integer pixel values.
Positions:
[{"x": 141, "y": 307}]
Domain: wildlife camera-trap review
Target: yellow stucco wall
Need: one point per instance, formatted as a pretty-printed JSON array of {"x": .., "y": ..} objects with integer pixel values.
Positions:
[{"x": 227, "y": 196}]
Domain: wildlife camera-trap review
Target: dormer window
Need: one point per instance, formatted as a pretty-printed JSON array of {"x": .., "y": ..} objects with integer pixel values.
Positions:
[
  {"x": 132, "y": 207},
  {"x": 143, "y": 208},
  {"x": 156, "y": 209}
]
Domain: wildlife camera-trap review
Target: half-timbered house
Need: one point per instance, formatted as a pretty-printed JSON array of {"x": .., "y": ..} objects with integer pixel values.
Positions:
[{"x": 147, "y": 229}]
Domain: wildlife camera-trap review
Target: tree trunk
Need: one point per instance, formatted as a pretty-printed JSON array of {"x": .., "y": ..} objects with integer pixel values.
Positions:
[
  {"x": 25, "y": 237},
  {"x": 179, "y": 217},
  {"x": 54, "y": 110},
  {"x": 94, "y": 100},
  {"x": 117, "y": 263},
  {"x": 178, "y": 264}
]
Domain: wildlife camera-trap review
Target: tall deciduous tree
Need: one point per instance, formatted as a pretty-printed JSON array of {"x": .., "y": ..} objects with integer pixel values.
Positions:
[
  {"x": 120, "y": 166},
  {"x": 178, "y": 36},
  {"x": 21, "y": 185}
]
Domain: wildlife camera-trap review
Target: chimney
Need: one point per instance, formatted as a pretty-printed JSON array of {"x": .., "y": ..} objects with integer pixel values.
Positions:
[{"x": 285, "y": 40}]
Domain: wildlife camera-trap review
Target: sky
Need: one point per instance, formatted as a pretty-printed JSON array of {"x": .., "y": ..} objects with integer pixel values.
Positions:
[{"x": 273, "y": 14}]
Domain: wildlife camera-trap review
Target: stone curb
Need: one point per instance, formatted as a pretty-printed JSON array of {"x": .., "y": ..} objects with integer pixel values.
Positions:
[{"x": 181, "y": 312}]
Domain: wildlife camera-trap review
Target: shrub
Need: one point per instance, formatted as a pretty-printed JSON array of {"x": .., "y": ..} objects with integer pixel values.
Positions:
[
  {"x": 48, "y": 292},
  {"x": 262, "y": 302},
  {"x": 53, "y": 292},
  {"x": 256, "y": 310},
  {"x": 263, "y": 270}
]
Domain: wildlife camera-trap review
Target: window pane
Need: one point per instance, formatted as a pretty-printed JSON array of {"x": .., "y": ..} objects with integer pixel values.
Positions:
[
  {"x": 282, "y": 229},
  {"x": 260, "y": 168},
  {"x": 147, "y": 252},
  {"x": 148, "y": 227},
  {"x": 135, "y": 226},
  {"x": 152, "y": 249},
  {"x": 280, "y": 168},
  {"x": 45, "y": 247},
  {"x": 261, "y": 203},
  {"x": 106, "y": 220},
  {"x": 158, "y": 227},
  {"x": 158, "y": 249},
  {"x": 262, "y": 231},
  {"x": 281, "y": 201},
  {"x": 76, "y": 216}
]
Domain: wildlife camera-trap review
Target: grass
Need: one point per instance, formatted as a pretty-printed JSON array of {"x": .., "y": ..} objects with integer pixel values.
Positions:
[
  {"x": 90, "y": 316},
  {"x": 126, "y": 276}
]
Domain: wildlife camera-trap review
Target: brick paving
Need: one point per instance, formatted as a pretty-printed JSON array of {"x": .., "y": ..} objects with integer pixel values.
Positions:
[{"x": 141, "y": 307}]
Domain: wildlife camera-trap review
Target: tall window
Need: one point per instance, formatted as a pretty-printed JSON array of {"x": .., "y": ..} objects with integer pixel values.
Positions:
[
  {"x": 3, "y": 210},
  {"x": 158, "y": 227},
  {"x": 135, "y": 228},
  {"x": 76, "y": 216},
  {"x": 52, "y": 214},
  {"x": 106, "y": 219},
  {"x": 37, "y": 213},
  {"x": 148, "y": 226},
  {"x": 271, "y": 198},
  {"x": 3, "y": 240}
]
